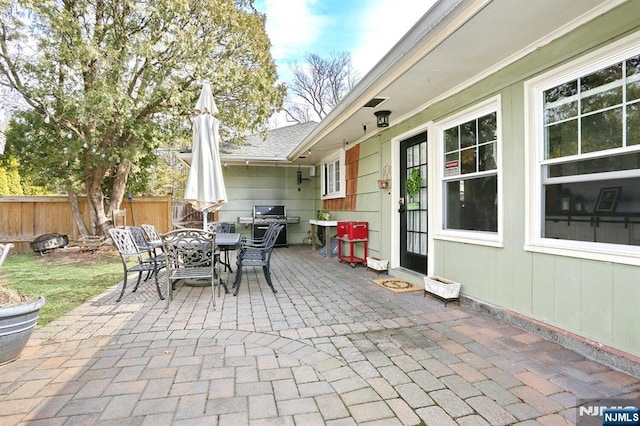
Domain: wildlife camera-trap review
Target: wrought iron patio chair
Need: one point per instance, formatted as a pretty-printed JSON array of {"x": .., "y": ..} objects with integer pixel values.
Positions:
[
  {"x": 146, "y": 248},
  {"x": 128, "y": 250},
  {"x": 254, "y": 255},
  {"x": 191, "y": 255},
  {"x": 246, "y": 241},
  {"x": 153, "y": 237}
]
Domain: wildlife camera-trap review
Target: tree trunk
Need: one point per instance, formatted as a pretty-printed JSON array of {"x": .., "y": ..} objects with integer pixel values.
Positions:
[
  {"x": 95, "y": 198},
  {"x": 75, "y": 210},
  {"x": 118, "y": 186}
]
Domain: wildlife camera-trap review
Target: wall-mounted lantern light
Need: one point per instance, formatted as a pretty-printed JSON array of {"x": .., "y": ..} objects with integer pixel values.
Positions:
[{"x": 382, "y": 118}]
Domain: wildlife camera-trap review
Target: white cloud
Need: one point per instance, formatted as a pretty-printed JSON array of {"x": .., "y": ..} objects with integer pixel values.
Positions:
[
  {"x": 292, "y": 27},
  {"x": 367, "y": 29},
  {"x": 383, "y": 24}
]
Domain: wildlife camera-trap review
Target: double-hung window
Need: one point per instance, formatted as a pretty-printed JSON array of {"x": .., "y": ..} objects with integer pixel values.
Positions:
[
  {"x": 333, "y": 176},
  {"x": 585, "y": 151},
  {"x": 469, "y": 157}
]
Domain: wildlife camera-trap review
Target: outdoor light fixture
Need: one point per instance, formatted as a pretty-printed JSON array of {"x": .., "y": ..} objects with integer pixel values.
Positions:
[
  {"x": 299, "y": 177},
  {"x": 382, "y": 118}
]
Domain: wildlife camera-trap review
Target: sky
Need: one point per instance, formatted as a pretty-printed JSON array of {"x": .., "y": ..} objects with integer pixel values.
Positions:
[{"x": 367, "y": 29}]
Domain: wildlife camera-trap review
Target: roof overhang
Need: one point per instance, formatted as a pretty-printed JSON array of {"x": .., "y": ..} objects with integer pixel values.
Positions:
[
  {"x": 242, "y": 160},
  {"x": 454, "y": 45}
]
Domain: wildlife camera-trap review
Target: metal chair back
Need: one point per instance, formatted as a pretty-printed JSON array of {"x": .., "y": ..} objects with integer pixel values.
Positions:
[
  {"x": 258, "y": 256},
  {"x": 139, "y": 238},
  {"x": 221, "y": 227},
  {"x": 191, "y": 254},
  {"x": 152, "y": 234},
  {"x": 225, "y": 227},
  {"x": 124, "y": 242},
  {"x": 128, "y": 249},
  {"x": 260, "y": 242}
]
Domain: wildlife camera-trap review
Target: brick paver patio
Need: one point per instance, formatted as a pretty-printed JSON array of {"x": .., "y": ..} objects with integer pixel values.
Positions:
[{"x": 329, "y": 348}]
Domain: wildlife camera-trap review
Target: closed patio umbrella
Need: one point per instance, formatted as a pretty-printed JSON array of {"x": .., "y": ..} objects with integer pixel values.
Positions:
[{"x": 205, "y": 188}]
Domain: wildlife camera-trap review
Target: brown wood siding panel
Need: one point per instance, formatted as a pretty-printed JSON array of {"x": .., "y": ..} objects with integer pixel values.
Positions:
[{"x": 348, "y": 203}]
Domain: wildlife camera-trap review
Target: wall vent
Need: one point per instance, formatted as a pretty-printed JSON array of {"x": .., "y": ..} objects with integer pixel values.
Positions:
[{"x": 374, "y": 102}]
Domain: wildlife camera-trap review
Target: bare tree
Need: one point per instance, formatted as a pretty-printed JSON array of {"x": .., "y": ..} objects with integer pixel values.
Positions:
[{"x": 319, "y": 85}]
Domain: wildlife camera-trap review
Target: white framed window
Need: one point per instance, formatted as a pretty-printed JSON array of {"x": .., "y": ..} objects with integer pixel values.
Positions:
[
  {"x": 583, "y": 147},
  {"x": 469, "y": 146},
  {"x": 333, "y": 176}
]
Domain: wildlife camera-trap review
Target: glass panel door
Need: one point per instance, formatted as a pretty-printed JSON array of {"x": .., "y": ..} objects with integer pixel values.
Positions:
[{"x": 413, "y": 213}]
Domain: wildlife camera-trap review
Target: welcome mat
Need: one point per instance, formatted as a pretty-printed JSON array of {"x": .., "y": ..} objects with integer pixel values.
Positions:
[{"x": 396, "y": 285}]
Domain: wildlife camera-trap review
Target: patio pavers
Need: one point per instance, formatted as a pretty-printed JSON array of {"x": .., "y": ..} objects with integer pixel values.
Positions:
[{"x": 329, "y": 348}]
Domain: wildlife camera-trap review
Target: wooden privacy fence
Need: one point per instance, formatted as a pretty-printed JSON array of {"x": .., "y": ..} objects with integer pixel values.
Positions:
[
  {"x": 22, "y": 219},
  {"x": 185, "y": 216}
]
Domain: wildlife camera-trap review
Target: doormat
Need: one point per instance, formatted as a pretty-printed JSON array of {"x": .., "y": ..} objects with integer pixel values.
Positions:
[{"x": 397, "y": 285}]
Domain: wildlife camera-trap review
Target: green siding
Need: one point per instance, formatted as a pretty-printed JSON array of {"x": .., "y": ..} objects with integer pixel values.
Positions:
[
  {"x": 626, "y": 327},
  {"x": 567, "y": 290},
  {"x": 251, "y": 185},
  {"x": 597, "y": 300}
]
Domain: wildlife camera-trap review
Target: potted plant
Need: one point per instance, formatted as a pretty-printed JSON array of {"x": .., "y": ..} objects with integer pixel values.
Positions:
[
  {"x": 413, "y": 184},
  {"x": 18, "y": 317},
  {"x": 323, "y": 215},
  {"x": 442, "y": 288}
]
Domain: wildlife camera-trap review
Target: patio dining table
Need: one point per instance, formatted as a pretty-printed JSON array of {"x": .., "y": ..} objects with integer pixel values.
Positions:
[{"x": 229, "y": 240}]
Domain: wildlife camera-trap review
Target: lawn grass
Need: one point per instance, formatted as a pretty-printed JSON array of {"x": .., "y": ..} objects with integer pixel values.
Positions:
[{"x": 66, "y": 278}]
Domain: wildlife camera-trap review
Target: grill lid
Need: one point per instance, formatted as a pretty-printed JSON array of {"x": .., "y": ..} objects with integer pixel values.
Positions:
[{"x": 269, "y": 211}]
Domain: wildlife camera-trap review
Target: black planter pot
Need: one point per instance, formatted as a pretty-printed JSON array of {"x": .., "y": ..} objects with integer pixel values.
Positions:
[{"x": 16, "y": 326}]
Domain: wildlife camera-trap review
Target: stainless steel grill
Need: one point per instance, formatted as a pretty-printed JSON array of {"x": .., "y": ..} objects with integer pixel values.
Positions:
[
  {"x": 267, "y": 214},
  {"x": 264, "y": 215}
]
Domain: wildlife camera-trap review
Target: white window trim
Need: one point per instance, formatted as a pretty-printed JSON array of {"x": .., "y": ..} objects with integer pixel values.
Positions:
[
  {"x": 492, "y": 239},
  {"x": 534, "y": 156},
  {"x": 340, "y": 157}
]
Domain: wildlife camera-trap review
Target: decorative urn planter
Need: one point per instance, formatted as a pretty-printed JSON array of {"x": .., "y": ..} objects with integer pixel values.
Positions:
[
  {"x": 16, "y": 325},
  {"x": 442, "y": 288}
]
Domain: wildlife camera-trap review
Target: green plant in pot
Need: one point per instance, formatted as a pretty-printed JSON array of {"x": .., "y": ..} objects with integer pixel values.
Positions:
[{"x": 412, "y": 186}]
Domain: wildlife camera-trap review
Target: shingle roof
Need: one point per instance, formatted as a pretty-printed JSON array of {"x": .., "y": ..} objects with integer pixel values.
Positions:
[{"x": 278, "y": 145}]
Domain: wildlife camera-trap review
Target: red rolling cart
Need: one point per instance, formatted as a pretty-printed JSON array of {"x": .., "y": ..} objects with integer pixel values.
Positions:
[{"x": 352, "y": 233}]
